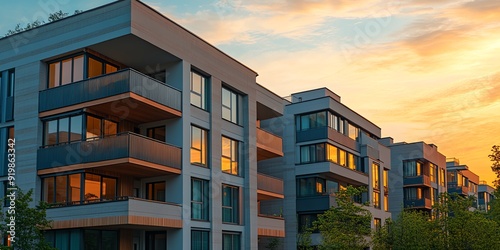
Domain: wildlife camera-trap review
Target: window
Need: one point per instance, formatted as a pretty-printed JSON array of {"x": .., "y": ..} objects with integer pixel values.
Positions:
[
  {"x": 230, "y": 106},
  {"x": 230, "y": 204},
  {"x": 312, "y": 153},
  {"x": 352, "y": 162},
  {"x": 412, "y": 168},
  {"x": 375, "y": 176},
  {"x": 200, "y": 240},
  {"x": 156, "y": 240},
  {"x": 157, "y": 133},
  {"x": 342, "y": 158},
  {"x": 318, "y": 153},
  {"x": 310, "y": 121},
  {"x": 413, "y": 193},
  {"x": 97, "y": 67},
  {"x": 376, "y": 199},
  {"x": 432, "y": 172},
  {"x": 442, "y": 175},
  {"x": 386, "y": 180},
  {"x": 11, "y": 79},
  {"x": 231, "y": 241},
  {"x": 229, "y": 160},
  {"x": 377, "y": 223},
  {"x": 199, "y": 85},
  {"x": 386, "y": 202},
  {"x": 199, "y": 199},
  {"x": 333, "y": 153},
  {"x": 306, "y": 222},
  {"x": 99, "y": 239},
  {"x": 67, "y": 189},
  {"x": 353, "y": 132},
  {"x": 311, "y": 186},
  {"x": 199, "y": 146},
  {"x": 155, "y": 191}
]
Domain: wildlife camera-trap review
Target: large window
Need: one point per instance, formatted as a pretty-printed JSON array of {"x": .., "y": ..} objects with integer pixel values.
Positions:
[
  {"x": 231, "y": 241},
  {"x": 229, "y": 160},
  {"x": 317, "y": 153},
  {"x": 313, "y": 120},
  {"x": 306, "y": 222},
  {"x": 353, "y": 132},
  {"x": 199, "y": 146},
  {"x": 311, "y": 186},
  {"x": 432, "y": 172},
  {"x": 230, "y": 204},
  {"x": 230, "y": 106},
  {"x": 69, "y": 189},
  {"x": 199, "y": 199},
  {"x": 156, "y": 240},
  {"x": 200, "y": 240},
  {"x": 412, "y": 168},
  {"x": 157, "y": 133},
  {"x": 76, "y": 128},
  {"x": 376, "y": 199},
  {"x": 199, "y": 85},
  {"x": 155, "y": 191},
  {"x": 413, "y": 193},
  {"x": 71, "y": 69}
]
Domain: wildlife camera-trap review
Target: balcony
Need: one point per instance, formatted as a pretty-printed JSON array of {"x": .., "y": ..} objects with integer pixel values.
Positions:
[
  {"x": 423, "y": 203},
  {"x": 126, "y": 153},
  {"x": 420, "y": 180},
  {"x": 270, "y": 226},
  {"x": 326, "y": 133},
  {"x": 125, "y": 211},
  {"x": 315, "y": 203},
  {"x": 268, "y": 145},
  {"x": 125, "y": 94},
  {"x": 269, "y": 187},
  {"x": 453, "y": 188},
  {"x": 333, "y": 170}
]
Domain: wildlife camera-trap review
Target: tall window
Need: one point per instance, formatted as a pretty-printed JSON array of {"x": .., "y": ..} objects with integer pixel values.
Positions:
[
  {"x": 413, "y": 193},
  {"x": 229, "y": 160},
  {"x": 199, "y": 199},
  {"x": 157, "y": 133},
  {"x": 376, "y": 199},
  {"x": 386, "y": 190},
  {"x": 156, "y": 240},
  {"x": 375, "y": 176},
  {"x": 412, "y": 168},
  {"x": 230, "y": 106},
  {"x": 199, "y": 146},
  {"x": 442, "y": 175},
  {"x": 353, "y": 132},
  {"x": 231, "y": 241},
  {"x": 377, "y": 222},
  {"x": 199, "y": 85},
  {"x": 432, "y": 172},
  {"x": 155, "y": 191},
  {"x": 230, "y": 204},
  {"x": 200, "y": 240}
]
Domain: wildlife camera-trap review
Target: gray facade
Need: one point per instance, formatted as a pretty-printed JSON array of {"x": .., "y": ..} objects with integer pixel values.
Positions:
[{"x": 122, "y": 162}]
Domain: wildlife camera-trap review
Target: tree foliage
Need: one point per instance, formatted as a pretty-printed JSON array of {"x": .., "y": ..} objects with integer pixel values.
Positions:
[
  {"x": 495, "y": 166},
  {"x": 29, "y": 222},
  {"x": 52, "y": 17},
  {"x": 347, "y": 225}
]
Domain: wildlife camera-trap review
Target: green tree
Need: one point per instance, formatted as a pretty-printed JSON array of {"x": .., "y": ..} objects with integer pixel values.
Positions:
[
  {"x": 30, "y": 222},
  {"x": 346, "y": 225},
  {"x": 52, "y": 17},
  {"x": 495, "y": 166}
]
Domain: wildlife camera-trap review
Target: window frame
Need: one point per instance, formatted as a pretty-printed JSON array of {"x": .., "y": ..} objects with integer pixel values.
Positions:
[
  {"x": 204, "y": 90},
  {"x": 233, "y": 206},
  {"x": 235, "y": 112},
  {"x": 203, "y": 233},
  {"x": 204, "y": 147},
  {"x": 205, "y": 199},
  {"x": 153, "y": 194},
  {"x": 232, "y": 235},
  {"x": 234, "y": 157}
]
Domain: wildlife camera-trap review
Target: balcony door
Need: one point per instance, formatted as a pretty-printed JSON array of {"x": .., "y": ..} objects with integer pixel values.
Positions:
[{"x": 156, "y": 240}]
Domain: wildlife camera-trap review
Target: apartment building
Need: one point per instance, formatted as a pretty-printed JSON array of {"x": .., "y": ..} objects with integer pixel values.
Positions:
[
  {"x": 461, "y": 180},
  {"x": 417, "y": 176},
  {"x": 326, "y": 147},
  {"x": 486, "y": 194},
  {"x": 139, "y": 134}
]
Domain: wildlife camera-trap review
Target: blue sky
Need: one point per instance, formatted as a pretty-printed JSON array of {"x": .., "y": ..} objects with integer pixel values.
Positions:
[{"x": 422, "y": 70}]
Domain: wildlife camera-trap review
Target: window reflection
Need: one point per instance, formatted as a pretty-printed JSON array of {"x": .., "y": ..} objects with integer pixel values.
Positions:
[{"x": 92, "y": 187}]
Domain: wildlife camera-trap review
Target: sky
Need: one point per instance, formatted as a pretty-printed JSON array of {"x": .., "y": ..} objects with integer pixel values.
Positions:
[{"x": 422, "y": 70}]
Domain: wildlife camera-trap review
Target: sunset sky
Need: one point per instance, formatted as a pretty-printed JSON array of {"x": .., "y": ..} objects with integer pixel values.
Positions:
[{"x": 422, "y": 70}]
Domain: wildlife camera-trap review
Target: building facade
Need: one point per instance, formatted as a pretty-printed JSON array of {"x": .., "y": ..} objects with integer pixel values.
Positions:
[
  {"x": 327, "y": 146},
  {"x": 139, "y": 134},
  {"x": 417, "y": 176},
  {"x": 461, "y": 180},
  {"x": 486, "y": 194}
]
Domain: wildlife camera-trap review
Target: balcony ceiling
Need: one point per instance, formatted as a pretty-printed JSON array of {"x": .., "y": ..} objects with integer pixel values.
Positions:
[{"x": 135, "y": 53}]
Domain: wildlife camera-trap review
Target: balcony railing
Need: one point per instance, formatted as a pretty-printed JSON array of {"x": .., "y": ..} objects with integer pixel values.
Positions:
[
  {"x": 419, "y": 203},
  {"x": 120, "y": 211},
  {"x": 326, "y": 133},
  {"x": 455, "y": 188},
  {"x": 268, "y": 145},
  {"x": 270, "y": 226},
  {"x": 269, "y": 183},
  {"x": 417, "y": 180},
  {"x": 124, "y": 145},
  {"x": 120, "y": 82}
]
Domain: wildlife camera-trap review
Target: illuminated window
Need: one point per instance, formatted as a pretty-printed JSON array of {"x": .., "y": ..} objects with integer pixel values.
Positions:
[
  {"x": 375, "y": 176},
  {"x": 342, "y": 158},
  {"x": 229, "y": 160},
  {"x": 155, "y": 191},
  {"x": 432, "y": 172},
  {"x": 199, "y": 146},
  {"x": 377, "y": 223},
  {"x": 376, "y": 199},
  {"x": 353, "y": 132},
  {"x": 333, "y": 153},
  {"x": 386, "y": 202}
]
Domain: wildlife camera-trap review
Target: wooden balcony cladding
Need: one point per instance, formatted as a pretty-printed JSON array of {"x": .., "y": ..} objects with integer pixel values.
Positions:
[
  {"x": 126, "y": 94},
  {"x": 269, "y": 187},
  {"x": 270, "y": 226},
  {"x": 419, "y": 180},
  {"x": 453, "y": 188},
  {"x": 126, "y": 211},
  {"x": 125, "y": 153},
  {"x": 268, "y": 145}
]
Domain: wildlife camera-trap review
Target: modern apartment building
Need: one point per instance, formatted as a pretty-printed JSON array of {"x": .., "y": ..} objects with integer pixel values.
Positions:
[
  {"x": 461, "y": 180},
  {"x": 139, "y": 134},
  {"x": 327, "y": 146},
  {"x": 485, "y": 196},
  {"x": 417, "y": 176}
]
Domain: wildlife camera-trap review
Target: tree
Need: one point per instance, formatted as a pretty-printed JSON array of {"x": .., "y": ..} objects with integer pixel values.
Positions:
[
  {"x": 347, "y": 225},
  {"x": 52, "y": 17},
  {"x": 495, "y": 167},
  {"x": 30, "y": 222}
]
